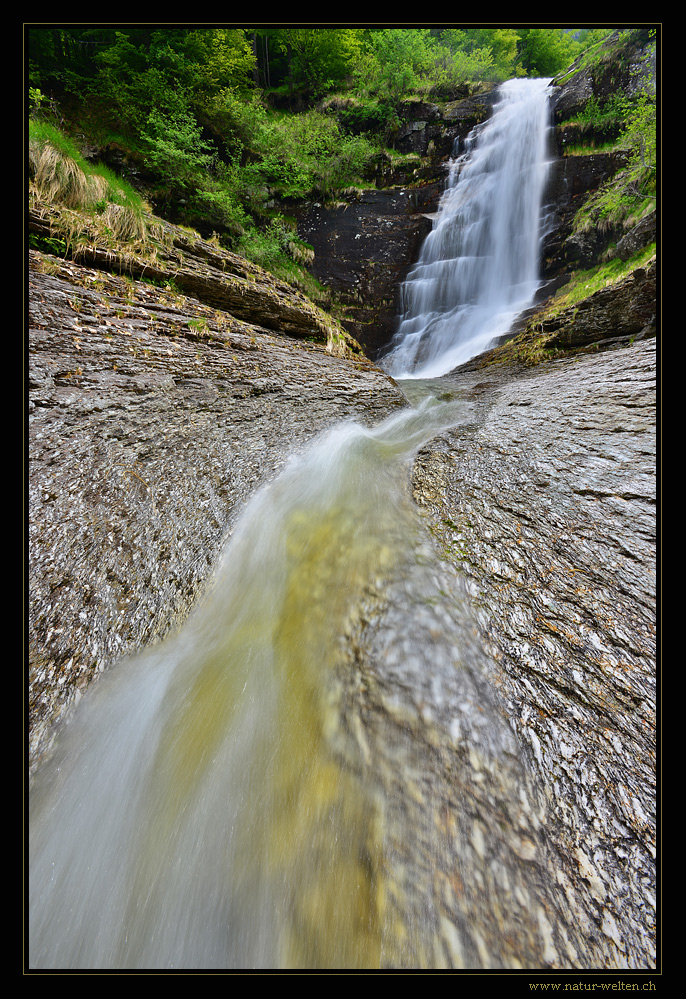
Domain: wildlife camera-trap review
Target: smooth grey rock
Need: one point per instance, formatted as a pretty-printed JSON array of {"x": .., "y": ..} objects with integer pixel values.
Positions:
[{"x": 546, "y": 503}]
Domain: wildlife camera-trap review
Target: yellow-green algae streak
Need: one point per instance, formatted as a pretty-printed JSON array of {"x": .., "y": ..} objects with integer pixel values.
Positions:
[{"x": 199, "y": 813}]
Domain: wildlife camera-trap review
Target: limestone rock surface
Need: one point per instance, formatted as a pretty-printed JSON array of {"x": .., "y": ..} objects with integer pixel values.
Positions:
[{"x": 546, "y": 503}]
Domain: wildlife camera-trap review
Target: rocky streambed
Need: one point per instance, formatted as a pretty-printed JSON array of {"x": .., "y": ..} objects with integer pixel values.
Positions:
[
  {"x": 502, "y": 687},
  {"x": 546, "y": 507},
  {"x": 154, "y": 417}
]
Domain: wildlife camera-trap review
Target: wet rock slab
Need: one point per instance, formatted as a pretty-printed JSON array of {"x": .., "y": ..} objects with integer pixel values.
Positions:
[
  {"x": 152, "y": 419},
  {"x": 546, "y": 507},
  {"x": 499, "y": 691}
]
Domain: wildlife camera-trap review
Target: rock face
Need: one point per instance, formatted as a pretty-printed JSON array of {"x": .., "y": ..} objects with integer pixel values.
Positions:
[
  {"x": 214, "y": 276},
  {"x": 532, "y": 843},
  {"x": 626, "y": 310},
  {"x": 153, "y": 417},
  {"x": 638, "y": 237},
  {"x": 362, "y": 251},
  {"x": 620, "y": 66},
  {"x": 432, "y": 127},
  {"x": 571, "y": 180},
  {"x": 546, "y": 503}
]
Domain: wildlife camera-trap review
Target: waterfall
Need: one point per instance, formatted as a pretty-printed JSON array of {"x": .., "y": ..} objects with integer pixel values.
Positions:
[{"x": 479, "y": 266}]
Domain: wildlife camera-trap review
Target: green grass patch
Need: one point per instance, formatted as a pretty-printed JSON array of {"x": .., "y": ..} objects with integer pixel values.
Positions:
[
  {"x": 531, "y": 347},
  {"x": 60, "y": 175},
  {"x": 583, "y": 284},
  {"x": 622, "y": 201},
  {"x": 590, "y": 148}
]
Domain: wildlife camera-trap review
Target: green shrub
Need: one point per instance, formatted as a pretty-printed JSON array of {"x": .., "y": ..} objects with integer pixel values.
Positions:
[
  {"x": 177, "y": 151},
  {"x": 237, "y": 117},
  {"x": 307, "y": 154},
  {"x": 366, "y": 114},
  {"x": 596, "y": 113}
]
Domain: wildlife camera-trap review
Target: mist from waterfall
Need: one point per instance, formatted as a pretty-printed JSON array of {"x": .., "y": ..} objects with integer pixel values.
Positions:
[{"x": 479, "y": 266}]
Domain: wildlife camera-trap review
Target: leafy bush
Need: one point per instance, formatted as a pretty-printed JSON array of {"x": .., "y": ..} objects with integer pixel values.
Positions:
[
  {"x": 640, "y": 132},
  {"x": 596, "y": 113},
  {"x": 365, "y": 114},
  {"x": 403, "y": 61},
  {"x": 238, "y": 118},
  {"x": 546, "y": 51},
  {"x": 317, "y": 58},
  {"x": 177, "y": 151},
  {"x": 307, "y": 153}
]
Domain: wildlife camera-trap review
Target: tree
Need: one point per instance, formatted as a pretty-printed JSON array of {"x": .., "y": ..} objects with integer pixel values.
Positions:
[
  {"x": 546, "y": 51},
  {"x": 500, "y": 43},
  {"x": 318, "y": 58},
  {"x": 219, "y": 57},
  {"x": 396, "y": 59}
]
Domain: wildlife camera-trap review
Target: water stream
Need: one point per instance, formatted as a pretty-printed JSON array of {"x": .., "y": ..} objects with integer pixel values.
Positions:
[
  {"x": 196, "y": 814},
  {"x": 214, "y": 803}
]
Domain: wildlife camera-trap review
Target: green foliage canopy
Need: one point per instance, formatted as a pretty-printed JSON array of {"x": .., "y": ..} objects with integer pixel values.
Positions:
[
  {"x": 318, "y": 58},
  {"x": 546, "y": 51}
]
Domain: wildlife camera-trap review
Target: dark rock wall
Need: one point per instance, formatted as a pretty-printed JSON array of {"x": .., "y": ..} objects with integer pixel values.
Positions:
[
  {"x": 365, "y": 247},
  {"x": 362, "y": 251}
]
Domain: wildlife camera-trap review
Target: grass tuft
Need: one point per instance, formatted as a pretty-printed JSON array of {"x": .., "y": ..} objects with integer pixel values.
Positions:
[{"x": 59, "y": 175}]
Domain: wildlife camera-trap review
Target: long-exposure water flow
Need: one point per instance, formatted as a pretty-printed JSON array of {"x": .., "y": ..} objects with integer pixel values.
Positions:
[
  {"x": 479, "y": 266},
  {"x": 194, "y": 812}
]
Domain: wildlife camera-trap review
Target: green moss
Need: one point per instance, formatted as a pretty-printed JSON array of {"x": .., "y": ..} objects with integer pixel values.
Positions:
[
  {"x": 589, "y": 148},
  {"x": 582, "y": 284}
]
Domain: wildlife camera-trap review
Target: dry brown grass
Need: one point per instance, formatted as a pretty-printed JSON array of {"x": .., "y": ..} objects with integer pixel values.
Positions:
[{"x": 57, "y": 179}]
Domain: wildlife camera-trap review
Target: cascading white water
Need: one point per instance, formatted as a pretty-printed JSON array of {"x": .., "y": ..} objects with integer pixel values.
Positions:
[{"x": 479, "y": 267}]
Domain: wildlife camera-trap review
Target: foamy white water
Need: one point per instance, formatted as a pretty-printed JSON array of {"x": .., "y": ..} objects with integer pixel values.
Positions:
[{"x": 479, "y": 267}]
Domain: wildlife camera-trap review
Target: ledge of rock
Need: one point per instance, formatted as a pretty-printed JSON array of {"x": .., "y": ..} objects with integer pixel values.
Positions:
[
  {"x": 625, "y": 309},
  {"x": 202, "y": 270}
]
